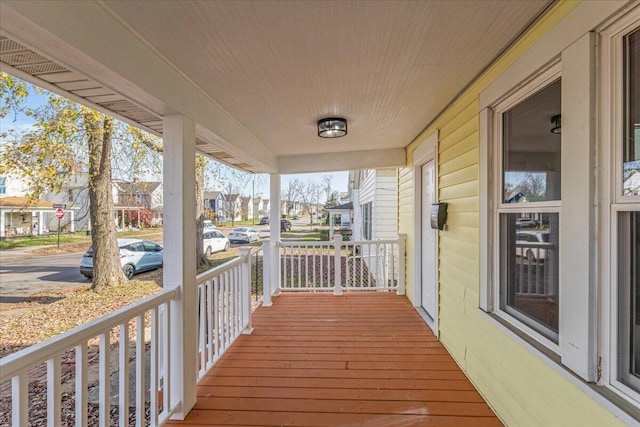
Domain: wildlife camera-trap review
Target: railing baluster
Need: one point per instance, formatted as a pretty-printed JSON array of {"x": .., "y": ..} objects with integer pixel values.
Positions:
[
  {"x": 20, "y": 400},
  {"x": 153, "y": 413},
  {"x": 211, "y": 330},
  {"x": 104, "y": 392},
  {"x": 140, "y": 371},
  {"x": 81, "y": 384},
  {"x": 123, "y": 377},
  {"x": 54, "y": 392},
  {"x": 166, "y": 354},
  {"x": 216, "y": 317},
  {"x": 202, "y": 329}
]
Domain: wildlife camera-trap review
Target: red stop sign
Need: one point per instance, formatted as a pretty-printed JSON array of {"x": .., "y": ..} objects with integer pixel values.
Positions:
[{"x": 59, "y": 213}]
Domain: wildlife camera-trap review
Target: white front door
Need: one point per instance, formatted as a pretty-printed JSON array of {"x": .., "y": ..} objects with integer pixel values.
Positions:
[{"x": 428, "y": 248}]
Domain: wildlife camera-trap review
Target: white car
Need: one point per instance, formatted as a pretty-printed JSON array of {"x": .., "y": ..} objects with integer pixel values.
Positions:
[
  {"x": 244, "y": 234},
  {"x": 214, "y": 241},
  {"x": 135, "y": 256}
]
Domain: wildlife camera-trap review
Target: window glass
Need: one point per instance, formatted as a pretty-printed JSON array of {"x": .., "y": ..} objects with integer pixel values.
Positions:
[
  {"x": 631, "y": 146},
  {"x": 529, "y": 282},
  {"x": 531, "y": 148},
  {"x": 629, "y": 298}
]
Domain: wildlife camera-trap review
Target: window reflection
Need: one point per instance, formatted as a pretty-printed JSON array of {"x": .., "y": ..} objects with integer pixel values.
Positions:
[
  {"x": 529, "y": 285},
  {"x": 531, "y": 153}
]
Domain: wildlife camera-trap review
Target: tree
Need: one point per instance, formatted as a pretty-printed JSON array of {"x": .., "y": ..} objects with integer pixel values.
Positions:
[
  {"x": 310, "y": 197},
  {"x": 533, "y": 185},
  {"x": 326, "y": 179},
  {"x": 291, "y": 193},
  {"x": 68, "y": 137}
]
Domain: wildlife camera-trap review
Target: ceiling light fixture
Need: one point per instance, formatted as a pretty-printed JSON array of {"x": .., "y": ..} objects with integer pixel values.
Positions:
[
  {"x": 332, "y": 127},
  {"x": 556, "y": 121}
]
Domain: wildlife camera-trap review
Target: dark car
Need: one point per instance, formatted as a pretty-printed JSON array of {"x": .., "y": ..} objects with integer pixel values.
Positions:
[
  {"x": 264, "y": 220},
  {"x": 285, "y": 225}
]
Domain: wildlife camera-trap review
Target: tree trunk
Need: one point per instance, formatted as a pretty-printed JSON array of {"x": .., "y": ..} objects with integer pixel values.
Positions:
[
  {"x": 201, "y": 257},
  {"x": 107, "y": 270}
]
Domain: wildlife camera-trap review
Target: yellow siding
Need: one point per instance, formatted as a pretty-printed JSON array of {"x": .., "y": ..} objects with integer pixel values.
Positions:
[{"x": 523, "y": 390}]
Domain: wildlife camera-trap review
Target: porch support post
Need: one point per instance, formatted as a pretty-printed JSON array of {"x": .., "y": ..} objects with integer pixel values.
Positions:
[
  {"x": 337, "y": 259},
  {"x": 179, "y": 235},
  {"x": 40, "y": 223},
  {"x": 245, "y": 290},
  {"x": 274, "y": 228},
  {"x": 72, "y": 223},
  {"x": 331, "y": 225},
  {"x": 2, "y": 223},
  {"x": 402, "y": 257},
  {"x": 266, "y": 273}
]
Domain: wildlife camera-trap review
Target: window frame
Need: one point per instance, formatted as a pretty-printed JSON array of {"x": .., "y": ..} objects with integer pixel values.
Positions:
[
  {"x": 614, "y": 202},
  {"x": 550, "y": 74}
]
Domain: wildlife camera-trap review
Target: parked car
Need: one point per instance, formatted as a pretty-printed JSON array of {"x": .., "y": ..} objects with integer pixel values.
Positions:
[
  {"x": 136, "y": 256},
  {"x": 533, "y": 244},
  {"x": 243, "y": 234},
  {"x": 526, "y": 222},
  {"x": 296, "y": 217},
  {"x": 208, "y": 225},
  {"x": 214, "y": 241},
  {"x": 264, "y": 220},
  {"x": 285, "y": 225}
]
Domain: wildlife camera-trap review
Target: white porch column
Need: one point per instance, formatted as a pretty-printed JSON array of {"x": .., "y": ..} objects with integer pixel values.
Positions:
[
  {"x": 274, "y": 228},
  {"x": 40, "y": 223},
  {"x": 2, "y": 223},
  {"x": 72, "y": 223},
  {"x": 180, "y": 257}
]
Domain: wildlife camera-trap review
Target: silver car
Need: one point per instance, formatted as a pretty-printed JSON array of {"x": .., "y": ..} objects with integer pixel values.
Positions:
[
  {"x": 244, "y": 234},
  {"x": 135, "y": 256}
]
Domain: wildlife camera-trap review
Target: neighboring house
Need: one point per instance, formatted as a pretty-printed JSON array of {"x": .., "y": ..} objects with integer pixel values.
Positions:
[
  {"x": 214, "y": 206},
  {"x": 246, "y": 208},
  {"x": 11, "y": 186},
  {"x": 266, "y": 207},
  {"x": 258, "y": 208},
  {"x": 20, "y": 217},
  {"x": 374, "y": 195},
  {"x": 74, "y": 194},
  {"x": 232, "y": 207},
  {"x": 137, "y": 195}
]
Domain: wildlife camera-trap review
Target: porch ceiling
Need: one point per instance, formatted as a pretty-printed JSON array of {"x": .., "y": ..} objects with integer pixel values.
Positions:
[{"x": 257, "y": 75}]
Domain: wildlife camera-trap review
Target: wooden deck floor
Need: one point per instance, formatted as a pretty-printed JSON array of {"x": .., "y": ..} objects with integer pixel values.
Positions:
[{"x": 320, "y": 360}]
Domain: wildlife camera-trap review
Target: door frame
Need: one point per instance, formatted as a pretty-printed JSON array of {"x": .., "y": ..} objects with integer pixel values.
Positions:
[{"x": 426, "y": 151}]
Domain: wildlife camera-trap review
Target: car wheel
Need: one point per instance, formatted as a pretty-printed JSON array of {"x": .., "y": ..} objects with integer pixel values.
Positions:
[
  {"x": 227, "y": 246},
  {"x": 129, "y": 271},
  {"x": 208, "y": 251},
  {"x": 88, "y": 276}
]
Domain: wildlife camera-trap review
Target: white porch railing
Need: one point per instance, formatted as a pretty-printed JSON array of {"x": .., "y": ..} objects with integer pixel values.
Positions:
[
  {"x": 224, "y": 295},
  {"x": 535, "y": 269},
  {"x": 366, "y": 265},
  {"x": 150, "y": 316}
]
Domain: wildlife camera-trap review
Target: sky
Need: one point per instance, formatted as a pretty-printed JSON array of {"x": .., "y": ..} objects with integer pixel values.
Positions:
[{"x": 20, "y": 122}]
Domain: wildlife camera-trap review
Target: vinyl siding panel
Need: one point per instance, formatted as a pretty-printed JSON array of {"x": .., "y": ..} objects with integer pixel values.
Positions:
[
  {"x": 385, "y": 217},
  {"x": 520, "y": 387}
]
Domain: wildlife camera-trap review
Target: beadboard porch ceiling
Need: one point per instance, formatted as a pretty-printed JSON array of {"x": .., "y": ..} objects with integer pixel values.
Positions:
[{"x": 257, "y": 75}]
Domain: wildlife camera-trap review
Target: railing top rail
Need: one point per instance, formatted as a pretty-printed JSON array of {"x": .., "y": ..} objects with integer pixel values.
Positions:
[
  {"x": 331, "y": 242},
  {"x": 26, "y": 358},
  {"x": 219, "y": 269}
]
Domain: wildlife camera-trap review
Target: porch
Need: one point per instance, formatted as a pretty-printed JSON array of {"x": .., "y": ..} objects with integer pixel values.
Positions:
[
  {"x": 332, "y": 342},
  {"x": 357, "y": 359}
]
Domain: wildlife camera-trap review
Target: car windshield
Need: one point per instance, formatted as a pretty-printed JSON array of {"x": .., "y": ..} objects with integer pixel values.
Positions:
[{"x": 240, "y": 230}]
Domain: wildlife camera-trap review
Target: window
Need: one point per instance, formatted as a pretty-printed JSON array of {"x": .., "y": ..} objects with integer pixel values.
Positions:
[
  {"x": 528, "y": 202},
  {"x": 631, "y": 129},
  {"x": 3, "y": 188},
  {"x": 625, "y": 241},
  {"x": 70, "y": 195},
  {"x": 367, "y": 220}
]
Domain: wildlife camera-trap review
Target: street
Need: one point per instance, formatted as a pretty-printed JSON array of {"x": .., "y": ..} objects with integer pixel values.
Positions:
[
  {"x": 23, "y": 274},
  {"x": 21, "y": 278}
]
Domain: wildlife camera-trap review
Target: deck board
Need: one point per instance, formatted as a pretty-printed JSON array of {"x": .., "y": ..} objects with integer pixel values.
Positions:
[{"x": 319, "y": 360}]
